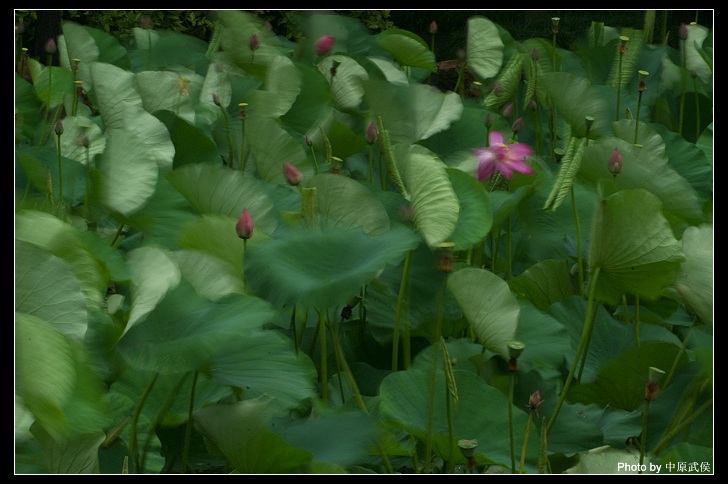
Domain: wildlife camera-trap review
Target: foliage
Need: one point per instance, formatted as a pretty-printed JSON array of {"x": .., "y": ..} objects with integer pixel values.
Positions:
[{"x": 379, "y": 286}]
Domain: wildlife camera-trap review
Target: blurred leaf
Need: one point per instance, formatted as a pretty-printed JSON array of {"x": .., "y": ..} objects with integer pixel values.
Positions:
[
  {"x": 484, "y": 48},
  {"x": 46, "y": 287},
  {"x": 412, "y": 113},
  {"x": 407, "y": 48},
  {"x": 694, "y": 282},
  {"x": 347, "y": 204},
  {"x": 75, "y": 455},
  {"x": 216, "y": 190},
  {"x": 153, "y": 274},
  {"x": 489, "y": 306},
  {"x": 322, "y": 269},
  {"x": 240, "y": 431},
  {"x": 433, "y": 199},
  {"x": 545, "y": 283},
  {"x": 475, "y": 217}
]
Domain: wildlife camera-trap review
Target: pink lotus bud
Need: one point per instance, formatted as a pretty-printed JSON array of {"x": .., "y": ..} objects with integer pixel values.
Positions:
[
  {"x": 254, "y": 42},
  {"x": 615, "y": 163},
  {"x": 534, "y": 401},
  {"x": 507, "y": 110},
  {"x": 323, "y": 45},
  {"x": 244, "y": 227},
  {"x": 59, "y": 127},
  {"x": 50, "y": 46},
  {"x": 532, "y": 105},
  {"x": 433, "y": 27},
  {"x": 371, "y": 135},
  {"x": 683, "y": 31},
  {"x": 518, "y": 125},
  {"x": 293, "y": 176},
  {"x": 488, "y": 121}
]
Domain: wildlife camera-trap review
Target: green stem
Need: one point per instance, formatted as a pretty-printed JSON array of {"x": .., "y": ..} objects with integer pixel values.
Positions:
[
  {"x": 401, "y": 298},
  {"x": 619, "y": 83},
  {"x": 579, "y": 259},
  {"x": 668, "y": 436},
  {"x": 585, "y": 336},
  {"x": 315, "y": 163},
  {"x": 643, "y": 435},
  {"x": 509, "y": 250},
  {"x": 583, "y": 355},
  {"x": 324, "y": 365},
  {"x": 158, "y": 418},
  {"x": 243, "y": 154},
  {"x": 133, "y": 448},
  {"x": 371, "y": 165},
  {"x": 60, "y": 177},
  {"x": 637, "y": 319},
  {"x": 229, "y": 136},
  {"x": 511, "y": 384},
  {"x": 525, "y": 442},
  {"x": 697, "y": 108},
  {"x": 676, "y": 362},
  {"x": 344, "y": 365},
  {"x": 450, "y": 429},
  {"x": 637, "y": 119},
  {"x": 682, "y": 82},
  {"x": 188, "y": 428}
]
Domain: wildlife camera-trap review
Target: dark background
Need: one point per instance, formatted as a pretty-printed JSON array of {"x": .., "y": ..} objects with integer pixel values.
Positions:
[{"x": 40, "y": 25}]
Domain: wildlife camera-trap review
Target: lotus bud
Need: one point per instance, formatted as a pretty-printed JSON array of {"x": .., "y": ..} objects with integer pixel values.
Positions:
[
  {"x": 433, "y": 27},
  {"x": 615, "y": 163},
  {"x": 216, "y": 100},
  {"x": 254, "y": 42},
  {"x": 323, "y": 45},
  {"x": 244, "y": 227},
  {"x": 371, "y": 134},
  {"x": 50, "y": 47},
  {"x": 59, "y": 127},
  {"x": 683, "y": 31},
  {"x": 534, "y": 401},
  {"x": 293, "y": 176},
  {"x": 517, "y": 125}
]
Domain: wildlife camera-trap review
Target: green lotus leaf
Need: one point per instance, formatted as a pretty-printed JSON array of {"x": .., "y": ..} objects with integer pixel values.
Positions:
[
  {"x": 322, "y": 269},
  {"x": 545, "y": 283},
  {"x": 435, "y": 204},
  {"x": 488, "y": 305},
  {"x": 272, "y": 146},
  {"x": 694, "y": 282},
  {"x": 216, "y": 190},
  {"x": 185, "y": 332},
  {"x": 407, "y": 48},
  {"x": 153, "y": 274},
  {"x": 484, "y": 48},
  {"x": 475, "y": 217},
  {"x": 174, "y": 92},
  {"x": 240, "y": 432},
  {"x": 344, "y": 203},
  {"x": 346, "y": 86},
  {"x": 47, "y": 288},
  {"x": 633, "y": 247}
]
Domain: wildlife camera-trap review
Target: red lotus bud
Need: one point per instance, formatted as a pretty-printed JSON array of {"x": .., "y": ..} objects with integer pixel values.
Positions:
[
  {"x": 254, "y": 42},
  {"x": 323, "y": 45},
  {"x": 293, "y": 176},
  {"x": 507, "y": 110},
  {"x": 50, "y": 46},
  {"x": 518, "y": 125},
  {"x": 615, "y": 162},
  {"x": 433, "y": 27},
  {"x": 216, "y": 100},
  {"x": 683, "y": 31},
  {"x": 244, "y": 227},
  {"x": 371, "y": 135}
]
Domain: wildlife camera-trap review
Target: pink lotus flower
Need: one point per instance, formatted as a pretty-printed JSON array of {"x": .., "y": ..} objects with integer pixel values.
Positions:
[
  {"x": 501, "y": 157},
  {"x": 244, "y": 227},
  {"x": 323, "y": 45}
]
